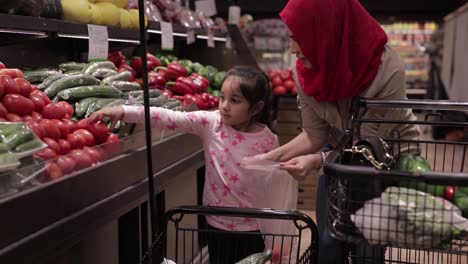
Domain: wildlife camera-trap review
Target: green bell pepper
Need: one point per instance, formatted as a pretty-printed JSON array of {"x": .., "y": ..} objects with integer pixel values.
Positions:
[
  {"x": 187, "y": 64},
  {"x": 196, "y": 67},
  {"x": 218, "y": 79},
  {"x": 171, "y": 57},
  {"x": 208, "y": 72}
]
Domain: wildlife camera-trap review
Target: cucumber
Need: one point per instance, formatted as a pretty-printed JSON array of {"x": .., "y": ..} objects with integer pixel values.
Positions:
[
  {"x": 93, "y": 66},
  {"x": 29, "y": 145},
  {"x": 98, "y": 105},
  {"x": 18, "y": 138},
  {"x": 77, "y": 93},
  {"x": 123, "y": 76},
  {"x": 117, "y": 102},
  {"x": 70, "y": 82},
  {"x": 7, "y": 158},
  {"x": 139, "y": 94},
  {"x": 102, "y": 73},
  {"x": 71, "y": 66},
  {"x": 82, "y": 106},
  {"x": 4, "y": 148},
  {"x": 38, "y": 76},
  {"x": 7, "y": 129},
  {"x": 49, "y": 80},
  {"x": 158, "y": 101},
  {"x": 72, "y": 73},
  {"x": 126, "y": 86},
  {"x": 171, "y": 104}
]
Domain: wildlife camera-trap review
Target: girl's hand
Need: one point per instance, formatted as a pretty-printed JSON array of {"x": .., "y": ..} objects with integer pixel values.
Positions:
[
  {"x": 302, "y": 166},
  {"x": 114, "y": 114}
]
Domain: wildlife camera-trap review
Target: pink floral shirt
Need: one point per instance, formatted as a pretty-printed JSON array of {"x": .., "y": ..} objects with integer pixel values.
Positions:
[{"x": 226, "y": 182}]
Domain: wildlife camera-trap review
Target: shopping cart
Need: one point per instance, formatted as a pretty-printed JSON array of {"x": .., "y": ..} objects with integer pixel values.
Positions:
[
  {"x": 391, "y": 209},
  {"x": 183, "y": 241}
]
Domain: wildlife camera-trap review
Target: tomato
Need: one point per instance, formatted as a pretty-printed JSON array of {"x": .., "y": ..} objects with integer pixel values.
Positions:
[
  {"x": 66, "y": 164},
  {"x": 94, "y": 154},
  {"x": 28, "y": 118},
  {"x": 44, "y": 97},
  {"x": 2, "y": 66},
  {"x": 13, "y": 118},
  {"x": 65, "y": 146},
  {"x": 82, "y": 159},
  {"x": 24, "y": 86},
  {"x": 99, "y": 130},
  {"x": 88, "y": 136},
  {"x": 2, "y": 89},
  {"x": 37, "y": 116},
  {"x": 75, "y": 141},
  {"x": 167, "y": 92},
  {"x": 53, "y": 111},
  {"x": 36, "y": 128},
  {"x": 52, "y": 144},
  {"x": 276, "y": 81},
  {"x": 294, "y": 90},
  {"x": 280, "y": 90},
  {"x": 3, "y": 119},
  {"x": 37, "y": 101},
  {"x": 83, "y": 123},
  {"x": 289, "y": 84},
  {"x": 286, "y": 75},
  {"x": 53, "y": 171},
  {"x": 63, "y": 128},
  {"x": 101, "y": 151},
  {"x": 71, "y": 125},
  {"x": 46, "y": 154},
  {"x": 68, "y": 108},
  {"x": 50, "y": 130},
  {"x": 13, "y": 73},
  {"x": 18, "y": 104},
  {"x": 112, "y": 145},
  {"x": 34, "y": 88},
  {"x": 3, "y": 111},
  {"x": 9, "y": 85}
]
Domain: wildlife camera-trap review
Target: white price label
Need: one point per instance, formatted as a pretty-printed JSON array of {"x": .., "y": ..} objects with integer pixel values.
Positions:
[
  {"x": 210, "y": 40},
  {"x": 208, "y": 7},
  {"x": 234, "y": 15},
  {"x": 98, "y": 42},
  {"x": 167, "y": 38},
  {"x": 228, "y": 43},
  {"x": 190, "y": 36}
]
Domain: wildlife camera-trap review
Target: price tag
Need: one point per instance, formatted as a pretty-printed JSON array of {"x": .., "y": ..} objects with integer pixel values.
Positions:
[
  {"x": 167, "y": 38},
  {"x": 210, "y": 40},
  {"x": 234, "y": 15},
  {"x": 228, "y": 43},
  {"x": 208, "y": 7},
  {"x": 98, "y": 42},
  {"x": 190, "y": 36}
]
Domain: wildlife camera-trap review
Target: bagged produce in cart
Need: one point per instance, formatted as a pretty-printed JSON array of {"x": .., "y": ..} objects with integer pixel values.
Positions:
[
  {"x": 409, "y": 218},
  {"x": 280, "y": 193}
]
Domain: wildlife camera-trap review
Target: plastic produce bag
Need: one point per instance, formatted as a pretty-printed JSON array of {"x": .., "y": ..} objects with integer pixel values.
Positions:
[
  {"x": 409, "y": 218},
  {"x": 280, "y": 192}
]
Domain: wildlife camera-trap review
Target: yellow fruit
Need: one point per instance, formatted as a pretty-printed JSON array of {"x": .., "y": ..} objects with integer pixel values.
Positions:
[
  {"x": 76, "y": 11},
  {"x": 96, "y": 16},
  {"x": 110, "y": 14},
  {"x": 121, "y": 3},
  {"x": 125, "y": 19},
  {"x": 135, "y": 19}
]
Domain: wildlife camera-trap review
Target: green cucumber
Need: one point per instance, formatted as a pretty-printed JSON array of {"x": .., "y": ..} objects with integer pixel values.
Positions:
[
  {"x": 8, "y": 129},
  {"x": 70, "y": 82},
  {"x": 38, "y": 76},
  {"x": 139, "y": 94},
  {"x": 82, "y": 106},
  {"x": 126, "y": 86},
  {"x": 117, "y": 102},
  {"x": 4, "y": 148},
  {"x": 18, "y": 138},
  {"x": 49, "y": 80},
  {"x": 77, "y": 93},
  {"x": 98, "y": 105},
  {"x": 171, "y": 104},
  {"x": 7, "y": 158},
  {"x": 93, "y": 66},
  {"x": 102, "y": 73},
  {"x": 122, "y": 76},
  {"x": 29, "y": 145},
  {"x": 158, "y": 101},
  {"x": 71, "y": 66}
]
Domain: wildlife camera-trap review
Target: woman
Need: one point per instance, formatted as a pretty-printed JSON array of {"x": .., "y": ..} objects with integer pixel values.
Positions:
[{"x": 342, "y": 54}]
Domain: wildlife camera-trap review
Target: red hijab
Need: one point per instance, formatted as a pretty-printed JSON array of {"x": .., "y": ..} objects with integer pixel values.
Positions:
[{"x": 341, "y": 40}]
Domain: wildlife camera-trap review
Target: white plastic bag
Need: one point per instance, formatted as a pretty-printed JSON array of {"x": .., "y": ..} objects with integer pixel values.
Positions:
[{"x": 280, "y": 193}]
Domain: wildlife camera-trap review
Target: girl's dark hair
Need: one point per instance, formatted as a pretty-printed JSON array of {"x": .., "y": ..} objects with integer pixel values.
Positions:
[{"x": 255, "y": 87}]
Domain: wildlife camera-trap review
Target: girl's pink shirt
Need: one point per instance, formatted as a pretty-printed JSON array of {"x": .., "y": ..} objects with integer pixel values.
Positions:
[{"x": 226, "y": 182}]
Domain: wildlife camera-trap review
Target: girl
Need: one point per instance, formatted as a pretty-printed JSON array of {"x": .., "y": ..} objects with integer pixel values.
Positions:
[{"x": 228, "y": 135}]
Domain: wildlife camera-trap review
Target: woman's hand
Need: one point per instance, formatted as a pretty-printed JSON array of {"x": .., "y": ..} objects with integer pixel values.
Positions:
[
  {"x": 114, "y": 114},
  {"x": 302, "y": 166}
]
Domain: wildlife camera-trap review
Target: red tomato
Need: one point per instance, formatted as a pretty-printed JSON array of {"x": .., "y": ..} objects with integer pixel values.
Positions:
[
  {"x": 18, "y": 104},
  {"x": 2, "y": 89},
  {"x": 286, "y": 75},
  {"x": 37, "y": 101},
  {"x": 82, "y": 159},
  {"x": 101, "y": 151},
  {"x": 75, "y": 141},
  {"x": 3, "y": 119},
  {"x": 34, "y": 88},
  {"x": 2, "y": 66},
  {"x": 63, "y": 128},
  {"x": 3, "y": 111},
  {"x": 274, "y": 73},
  {"x": 112, "y": 145},
  {"x": 52, "y": 144},
  {"x": 276, "y": 81},
  {"x": 94, "y": 154},
  {"x": 88, "y": 136},
  {"x": 167, "y": 92},
  {"x": 53, "y": 111},
  {"x": 82, "y": 124},
  {"x": 13, "y": 118},
  {"x": 36, "y": 128},
  {"x": 71, "y": 125},
  {"x": 280, "y": 90},
  {"x": 46, "y": 154},
  {"x": 37, "y": 116},
  {"x": 28, "y": 118},
  {"x": 50, "y": 130},
  {"x": 99, "y": 130},
  {"x": 24, "y": 86},
  {"x": 9, "y": 85},
  {"x": 44, "y": 97},
  {"x": 68, "y": 108},
  {"x": 289, "y": 84},
  {"x": 65, "y": 163},
  {"x": 294, "y": 90},
  {"x": 65, "y": 146},
  {"x": 13, "y": 73},
  {"x": 53, "y": 171}
]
